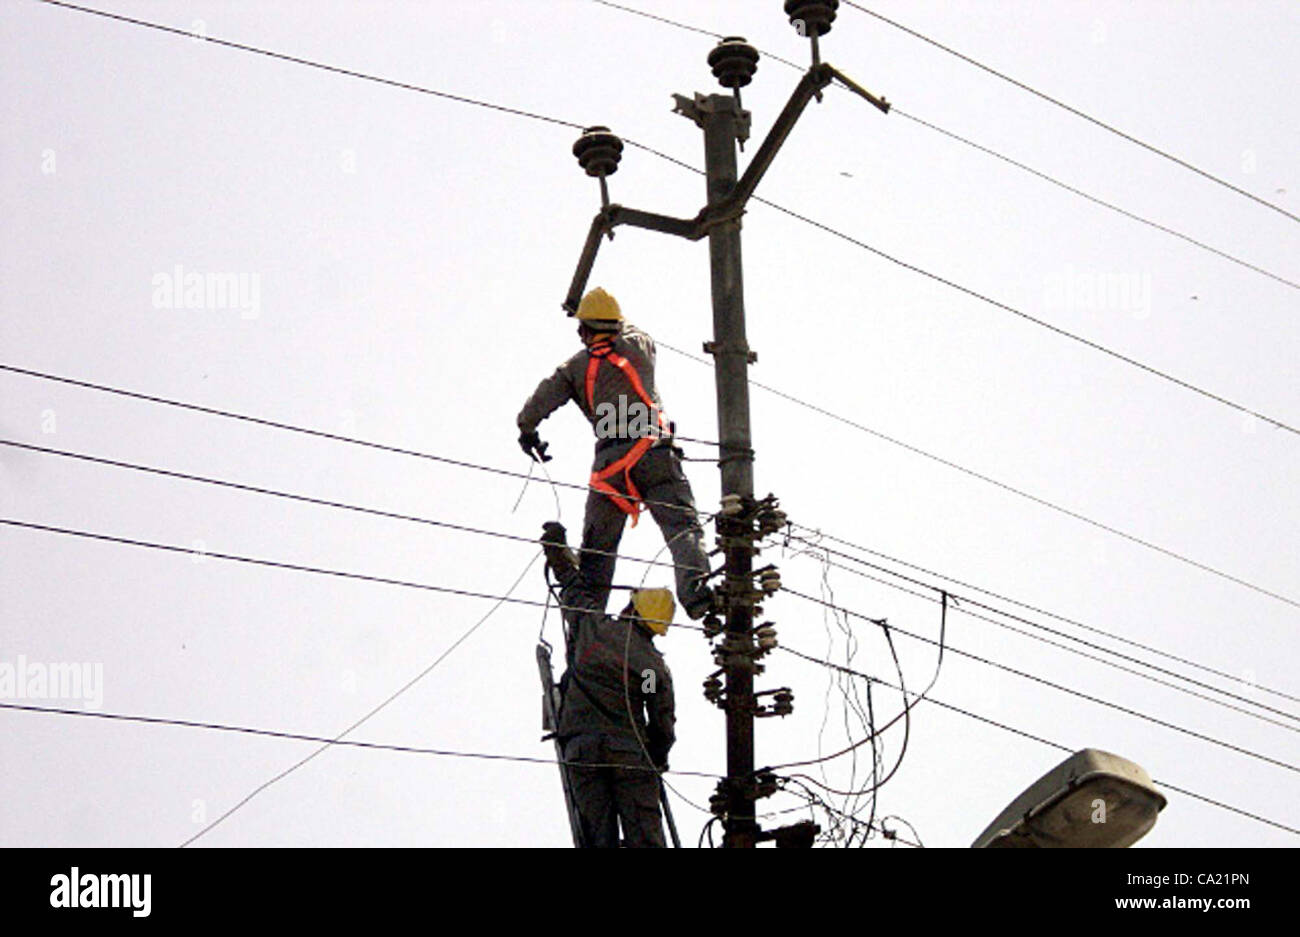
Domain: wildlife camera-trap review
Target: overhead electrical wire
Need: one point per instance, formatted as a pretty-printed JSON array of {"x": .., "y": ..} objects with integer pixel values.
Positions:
[
  {"x": 1155, "y": 720},
  {"x": 280, "y": 564},
  {"x": 275, "y": 424},
  {"x": 653, "y": 562},
  {"x": 1156, "y": 372},
  {"x": 291, "y": 566},
  {"x": 1075, "y": 111},
  {"x": 311, "y": 63},
  {"x": 168, "y": 473},
  {"x": 1020, "y": 492},
  {"x": 1101, "y": 660},
  {"x": 1042, "y": 611},
  {"x": 480, "y": 531},
  {"x": 322, "y": 739},
  {"x": 306, "y": 499},
  {"x": 551, "y": 120},
  {"x": 304, "y": 430},
  {"x": 1038, "y": 738},
  {"x": 905, "y": 715},
  {"x": 370, "y": 714},
  {"x": 1046, "y": 177},
  {"x": 1232, "y": 258},
  {"x": 1043, "y": 323},
  {"x": 964, "y": 600},
  {"x": 811, "y": 797}
]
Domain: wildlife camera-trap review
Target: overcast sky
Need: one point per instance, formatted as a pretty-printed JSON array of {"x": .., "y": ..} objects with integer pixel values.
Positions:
[{"x": 405, "y": 257}]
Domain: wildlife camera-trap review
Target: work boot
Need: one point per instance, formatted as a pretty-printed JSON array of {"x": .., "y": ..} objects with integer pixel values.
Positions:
[
  {"x": 705, "y": 603},
  {"x": 559, "y": 556}
]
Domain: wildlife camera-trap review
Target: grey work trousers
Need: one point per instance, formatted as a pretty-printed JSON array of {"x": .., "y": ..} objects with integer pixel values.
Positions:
[
  {"x": 609, "y": 796},
  {"x": 667, "y": 493}
]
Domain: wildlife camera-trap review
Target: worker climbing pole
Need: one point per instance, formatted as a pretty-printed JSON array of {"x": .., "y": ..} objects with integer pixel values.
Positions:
[
  {"x": 613, "y": 716},
  {"x": 735, "y": 603},
  {"x": 636, "y": 463}
]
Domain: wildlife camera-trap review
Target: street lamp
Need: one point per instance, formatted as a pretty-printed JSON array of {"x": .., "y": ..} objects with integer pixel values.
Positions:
[{"x": 1091, "y": 800}]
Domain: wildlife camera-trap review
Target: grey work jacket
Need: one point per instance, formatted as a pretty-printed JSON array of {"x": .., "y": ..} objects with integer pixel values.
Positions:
[
  {"x": 569, "y": 382},
  {"x": 604, "y": 697}
]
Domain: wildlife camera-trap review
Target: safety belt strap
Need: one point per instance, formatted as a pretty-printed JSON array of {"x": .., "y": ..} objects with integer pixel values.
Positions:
[{"x": 631, "y": 503}]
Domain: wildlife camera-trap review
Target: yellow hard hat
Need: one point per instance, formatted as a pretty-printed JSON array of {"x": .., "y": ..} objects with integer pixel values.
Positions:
[
  {"x": 655, "y": 608},
  {"x": 599, "y": 310}
]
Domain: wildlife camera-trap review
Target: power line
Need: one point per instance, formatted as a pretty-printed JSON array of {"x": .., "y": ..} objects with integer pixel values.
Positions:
[
  {"x": 812, "y": 800},
  {"x": 1186, "y": 385},
  {"x": 1033, "y": 624},
  {"x": 325, "y": 740},
  {"x": 480, "y": 531},
  {"x": 1073, "y": 110},
  {"x": 1038, "y": 738},
  {"x": 1137, "y": 673},
  {"x": 905, "y": 715},
  {"x": 294, "y": 567},
  {"x": 895, "y": 109},
  {"x": 293, "y": 428},
  {"x": 1100, "y": 660},
  {"x": 992, "y": 481},
  {"x": 1043, "y": 611},
  {"x": 1060, "y": 687},
  {"x": 1094, "y": 199},
  {"x": 306, "y": 499},
  {"x": 322, "y": 739},
  {"x": 374, "y": 711},
  {"x": 364, "y": 76},
  {"x": 1043, "y": 323},
  {"x": 234, "y": 45},
  {"x": 275, "y": 424}
]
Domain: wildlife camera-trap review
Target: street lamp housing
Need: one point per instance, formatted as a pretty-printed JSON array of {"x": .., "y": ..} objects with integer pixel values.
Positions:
[{"x": 1092, "y": 800}]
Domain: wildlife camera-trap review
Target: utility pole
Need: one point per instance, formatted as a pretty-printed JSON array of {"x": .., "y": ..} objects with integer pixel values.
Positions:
[{"x": 743, "y": 520}]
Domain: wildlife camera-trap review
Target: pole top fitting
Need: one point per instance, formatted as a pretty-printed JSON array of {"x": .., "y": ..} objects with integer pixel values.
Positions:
[
  {"x": 734, "y": 62},
  {"x": 598, "y": 151},
  {"x": 811, "y": 18}
]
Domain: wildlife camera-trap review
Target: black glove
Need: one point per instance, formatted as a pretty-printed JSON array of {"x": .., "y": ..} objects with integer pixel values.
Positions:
[
  {"x": 553, "y": 532},
  {"x": 561, "y": 560},
  {"x": 530, "y": 442}
]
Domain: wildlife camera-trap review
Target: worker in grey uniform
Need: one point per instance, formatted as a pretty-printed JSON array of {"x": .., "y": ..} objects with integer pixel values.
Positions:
[
  {"x": 616, "y": 713},
  {"x": 613, "y": 382}
]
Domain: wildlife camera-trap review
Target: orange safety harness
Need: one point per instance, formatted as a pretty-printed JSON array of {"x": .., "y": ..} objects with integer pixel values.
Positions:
[{"x": 631, "y": 503}]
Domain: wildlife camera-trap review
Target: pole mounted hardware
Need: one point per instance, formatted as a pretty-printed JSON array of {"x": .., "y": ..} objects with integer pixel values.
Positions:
[
  {"x": 737, "y": 642},
  {"x": 799, "y": 835},
  {"x": 734, "y": 62},
  {"x": 599, "y": 152}
]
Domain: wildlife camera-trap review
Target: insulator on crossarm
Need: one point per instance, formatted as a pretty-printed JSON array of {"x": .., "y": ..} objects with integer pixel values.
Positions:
[
  {"x": 731, "y": 505},
  {"x": 783, "y": 702},
  {"x": 811, "y": 18},
  {"x": 598, "y": 151},
  {"x": 718, "y": 803},
  {"x": 734, "y": 62},
  {"x": 712, "y": 688},
  {"x": 769, "y": 522}
]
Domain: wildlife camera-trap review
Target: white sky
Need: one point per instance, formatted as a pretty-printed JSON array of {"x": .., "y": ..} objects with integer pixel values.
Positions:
[{"x": 415, "y": 301}]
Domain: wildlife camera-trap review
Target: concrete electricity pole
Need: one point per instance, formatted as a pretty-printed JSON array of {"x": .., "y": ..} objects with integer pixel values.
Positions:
[{"x": 743, "y": 519}]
